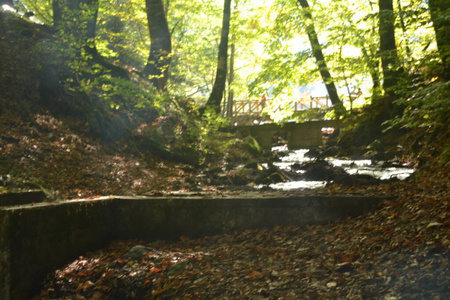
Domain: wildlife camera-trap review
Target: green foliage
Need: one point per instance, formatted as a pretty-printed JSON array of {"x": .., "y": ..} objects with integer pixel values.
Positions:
[
  {"x": 189, "y": 138},
  {"x": 427, "y": 107},
  {"x": 312, "y": 114},
  {"x": 445, "y": 155},
  {"x": 270, "y": 38},
  {"x": 42, "y": 10},
  {"x": 426, "y": 116},
  {"x": 212, "y": 136},
  {"x": 79, "y": 72},
  {"x": 195, "y": 27},
  {"x": 122, "y": 32}
]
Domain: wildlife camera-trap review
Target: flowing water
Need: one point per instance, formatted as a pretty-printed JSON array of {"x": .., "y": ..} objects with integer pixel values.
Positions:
[{"x": 363, "y": 166}]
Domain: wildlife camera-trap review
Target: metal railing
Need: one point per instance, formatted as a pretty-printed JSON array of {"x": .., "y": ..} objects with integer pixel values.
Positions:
[{"x": 256, "y": 107}]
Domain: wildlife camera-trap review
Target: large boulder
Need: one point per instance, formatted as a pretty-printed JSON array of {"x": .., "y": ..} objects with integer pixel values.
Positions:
[
  {"x": 355, "y": 179},
  {"x": 137, "y": 252},
  {"x": 320, "y": 170}
]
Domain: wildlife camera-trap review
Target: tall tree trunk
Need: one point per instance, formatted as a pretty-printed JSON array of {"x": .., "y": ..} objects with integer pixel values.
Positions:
[
  {"x": 440, "y": 15},
  {"x": 215, "y": 98},
  {"x": 230, "y": 82},
  {"x": 160, "y": 56},
  {"x": 320, "y": 59},
  {"x": 83, "y": 30},
  {"x": 373, "y": 66},
  {"x": 76, "y": 18},
  {"x": 393, "y": 73},
  {"x": 404, "y": 29}
]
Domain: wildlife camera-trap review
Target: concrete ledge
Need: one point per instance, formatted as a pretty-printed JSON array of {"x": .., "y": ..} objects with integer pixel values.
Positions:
[
  {"x": 34, "y": 196},
  {"x": 36, "y": 239},
  {"x": 170, "y": 218}
]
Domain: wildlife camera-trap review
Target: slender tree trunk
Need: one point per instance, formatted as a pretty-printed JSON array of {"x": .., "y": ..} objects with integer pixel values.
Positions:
[
  {"x": 230, "y": 82},
  {"x": 371, "y": 62},
  {"x": 160, "y": 56},
  {"x": 404, "y": 29},
  {"x": 393, "y": 73},
  {"x": 83, "y": 30},
  {"x": 216, "y": 95},
  {"x": 77, "y": 18},
  {"x": 373, "y": 66},
  {"x": 440, "y": 12},
  {"x": 320, "y": 59}
]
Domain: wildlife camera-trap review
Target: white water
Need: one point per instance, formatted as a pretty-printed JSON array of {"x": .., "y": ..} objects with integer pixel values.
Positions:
[{"x": 363, "y": 166}]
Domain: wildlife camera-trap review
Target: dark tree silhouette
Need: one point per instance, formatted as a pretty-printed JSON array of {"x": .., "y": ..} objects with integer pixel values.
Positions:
[
  {"x": 318, "y": 55},
  {"x": 216, "y": 95},
  {"x": 158, "y": 62},
  {"x": 83, "y": 30},
  {"x": 440, "y": 11},
  {"x": 393, "y": 72}
]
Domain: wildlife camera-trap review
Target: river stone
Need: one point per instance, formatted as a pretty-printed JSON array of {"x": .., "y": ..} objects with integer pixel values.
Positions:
[
  {"x": 355, "y": 179},
  {"x": 137, "y": 252},
  {"x": 177, "y": 268}
]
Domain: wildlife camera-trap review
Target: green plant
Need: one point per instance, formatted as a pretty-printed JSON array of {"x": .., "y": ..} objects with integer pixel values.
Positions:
[
  {"x": 427, "y": 108},
  {"x": 426, "y": 116},
  {"x": 194, "y": 140}
]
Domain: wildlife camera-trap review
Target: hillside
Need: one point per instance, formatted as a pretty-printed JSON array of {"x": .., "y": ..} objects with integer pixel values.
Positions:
[
  {"x": 53, "y": 139},
  {"x": 69, "y": 146}
]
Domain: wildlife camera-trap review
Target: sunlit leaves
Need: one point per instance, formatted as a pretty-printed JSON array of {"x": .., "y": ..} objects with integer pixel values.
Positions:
[
  {"x": 260, "y": 31},
  {"x": 42, "y": 10},
  {"x": 195, "y": 30},
  {"x": 427, "y": 107},
  {"x": 122, "y": 27}
]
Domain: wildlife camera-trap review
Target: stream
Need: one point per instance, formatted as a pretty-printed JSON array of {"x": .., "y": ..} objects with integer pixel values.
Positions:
[{"x": 362, "y": 166}]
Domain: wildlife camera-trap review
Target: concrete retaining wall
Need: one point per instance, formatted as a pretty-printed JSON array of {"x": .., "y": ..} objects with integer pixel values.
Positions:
[
  {"x": 9, "y": 199},
  {"x": 299, "y": 135},
  {"x": 36, "y": 239}
]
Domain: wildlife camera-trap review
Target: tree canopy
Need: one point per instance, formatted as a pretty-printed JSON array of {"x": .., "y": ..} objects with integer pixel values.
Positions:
[{"x": 279, "y": 47}]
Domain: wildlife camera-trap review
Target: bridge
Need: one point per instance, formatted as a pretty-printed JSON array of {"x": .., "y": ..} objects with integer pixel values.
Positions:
[
  {"x": 298, "y": 135},
  {"x": 246, "y": 112},
  {"x": 256, "y": 107}
]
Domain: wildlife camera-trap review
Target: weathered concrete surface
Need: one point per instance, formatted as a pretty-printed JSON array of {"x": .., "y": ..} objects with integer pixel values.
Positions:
[
  {"x": 168, "y": 218},
  {"x": 9, "y": 199},
  {"x": 299, "y": 135},
  {"x": 36, "y": 239}
]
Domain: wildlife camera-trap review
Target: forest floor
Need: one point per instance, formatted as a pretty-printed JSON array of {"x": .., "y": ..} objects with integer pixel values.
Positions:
[
  {"x": 58, "y": 156},
  {"x": 398, "y": 251}
]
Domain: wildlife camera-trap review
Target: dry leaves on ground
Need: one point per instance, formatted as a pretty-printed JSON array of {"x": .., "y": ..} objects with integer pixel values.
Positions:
[{"x": 400, "y": 251}]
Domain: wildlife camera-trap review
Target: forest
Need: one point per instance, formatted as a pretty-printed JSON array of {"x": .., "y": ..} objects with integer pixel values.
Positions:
[{"x": 137, "y": 98}]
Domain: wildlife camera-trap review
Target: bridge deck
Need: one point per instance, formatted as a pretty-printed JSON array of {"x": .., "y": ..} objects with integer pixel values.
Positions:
[
  {"x": 244, "y": 112},
  {"x": 256, "y": 107}
]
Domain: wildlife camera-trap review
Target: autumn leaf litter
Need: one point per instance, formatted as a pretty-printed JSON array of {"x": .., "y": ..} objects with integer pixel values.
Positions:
[{"x": 399, "y": 251}]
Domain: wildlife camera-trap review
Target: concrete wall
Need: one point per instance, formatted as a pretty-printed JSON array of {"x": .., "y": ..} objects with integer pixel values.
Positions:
[
  {"x": 308, "y": 135},
  {"x": 300, "y": 135},
  {"x": 36, "y": 239},
  {"x": 9, "y": 199},
  {"x": 195, "y": 217}
]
